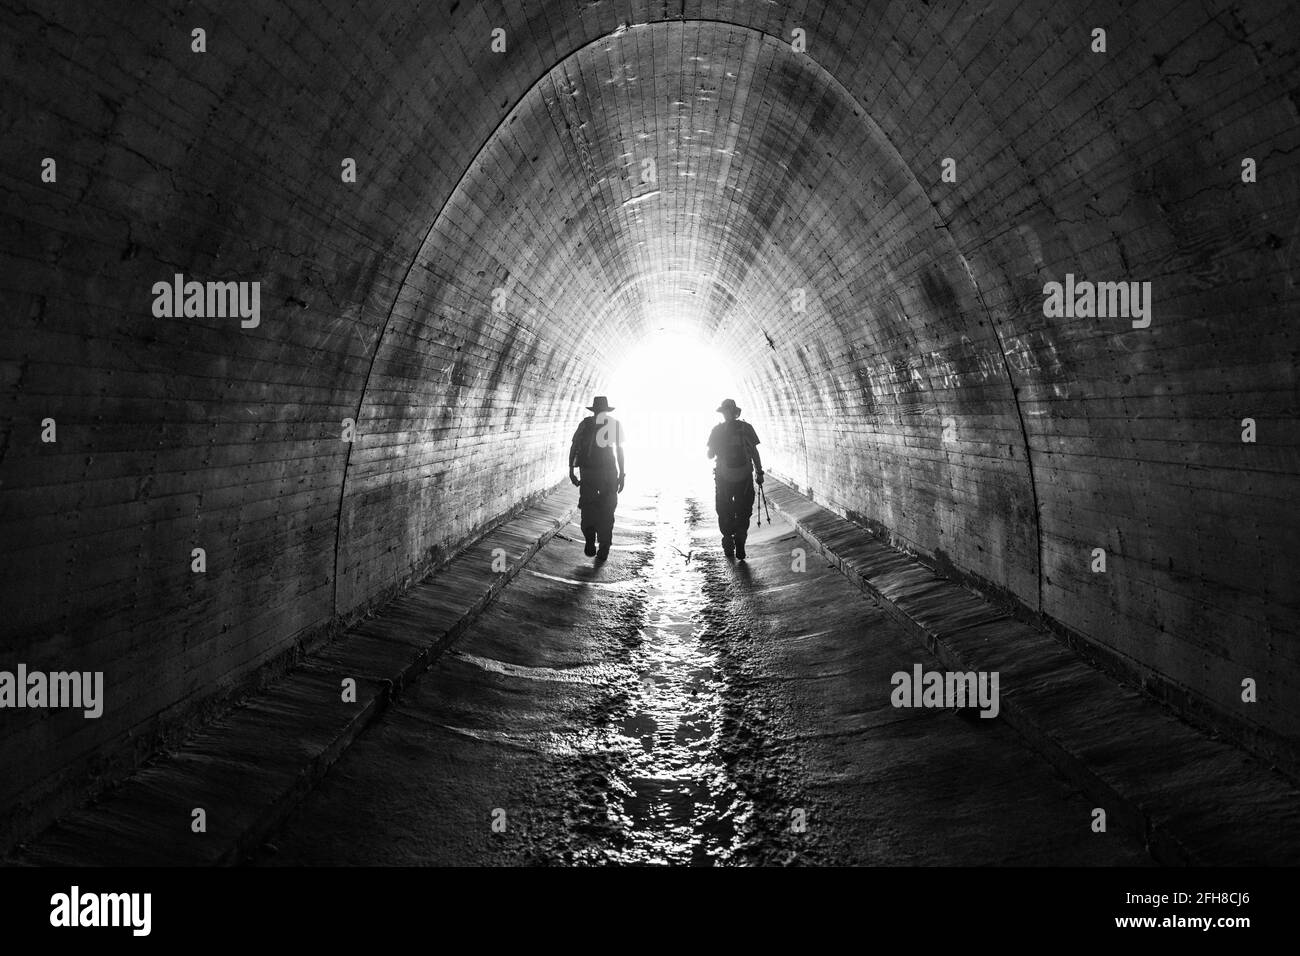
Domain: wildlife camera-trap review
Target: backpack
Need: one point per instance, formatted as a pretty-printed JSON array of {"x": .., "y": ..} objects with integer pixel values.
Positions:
[
  {"x": 736, "y": 450},
  {"x": 592, "y": 456}
]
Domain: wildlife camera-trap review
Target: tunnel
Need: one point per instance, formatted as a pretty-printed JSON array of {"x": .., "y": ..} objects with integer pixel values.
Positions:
[{"x": 304, "y": 302}]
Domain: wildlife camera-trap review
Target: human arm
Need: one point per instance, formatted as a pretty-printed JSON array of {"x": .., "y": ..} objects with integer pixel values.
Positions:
[
  {"x": 573, "y": 456},
  {"x": 618, "y": 451}
]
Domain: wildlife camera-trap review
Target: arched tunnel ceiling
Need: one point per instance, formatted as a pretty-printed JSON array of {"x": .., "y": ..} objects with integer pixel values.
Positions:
[
  {"x": 672, "y": 149},
  {"x": 921, "y": 391},
  {"x": 684, "y": 173}
]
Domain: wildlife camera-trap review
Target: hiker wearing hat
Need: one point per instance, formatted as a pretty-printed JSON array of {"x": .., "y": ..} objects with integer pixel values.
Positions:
[
  {"x": 597, "y": 450},
  {"x": 734, "y": 445}
]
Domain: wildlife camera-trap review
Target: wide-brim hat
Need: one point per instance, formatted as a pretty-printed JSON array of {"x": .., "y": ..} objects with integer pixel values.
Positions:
[
  {"x": 600, "y": 404},
  {"x": 728, "y": 405}
]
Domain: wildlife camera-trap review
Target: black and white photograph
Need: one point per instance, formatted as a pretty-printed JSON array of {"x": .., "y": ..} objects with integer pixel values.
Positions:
[{"x": 453, "y": 443}]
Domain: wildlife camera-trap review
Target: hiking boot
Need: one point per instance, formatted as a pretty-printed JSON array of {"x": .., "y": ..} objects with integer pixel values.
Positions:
[
  {"x": 728, "y": 547},
  {"x": 603, "y": 553},
  {"x": 740, "y": 551},
  {"x": 590, "y": 549}
]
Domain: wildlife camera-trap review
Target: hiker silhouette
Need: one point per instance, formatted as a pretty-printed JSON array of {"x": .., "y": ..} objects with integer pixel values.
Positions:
[
  {"x": 597, "y": 451},
  {"x": 735, "y": 446}
]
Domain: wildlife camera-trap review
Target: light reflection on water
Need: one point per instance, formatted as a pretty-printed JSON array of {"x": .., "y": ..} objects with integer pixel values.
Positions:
[{"x": 671, "y": 795}]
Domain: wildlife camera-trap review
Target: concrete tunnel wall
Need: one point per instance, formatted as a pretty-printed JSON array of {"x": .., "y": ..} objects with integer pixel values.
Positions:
[{"x": 921, "y": 391}]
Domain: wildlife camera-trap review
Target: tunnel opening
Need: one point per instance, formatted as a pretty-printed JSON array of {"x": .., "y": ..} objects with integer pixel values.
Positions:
[
  {"x": 666, "y": 391},
  {"x": 514, "y": 225}
]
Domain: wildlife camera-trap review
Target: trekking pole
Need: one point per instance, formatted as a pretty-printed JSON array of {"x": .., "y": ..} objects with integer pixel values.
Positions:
[{"x": 769, "y": 510}]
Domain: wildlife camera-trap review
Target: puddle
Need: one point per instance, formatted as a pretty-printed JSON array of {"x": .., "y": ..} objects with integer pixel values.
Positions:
[{"x": 671, "y": 795}]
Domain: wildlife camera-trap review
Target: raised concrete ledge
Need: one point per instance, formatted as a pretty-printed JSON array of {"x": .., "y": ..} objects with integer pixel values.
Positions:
[
  {"x": 249, "y": 768},
  {"x": 1192, "y": 799}
]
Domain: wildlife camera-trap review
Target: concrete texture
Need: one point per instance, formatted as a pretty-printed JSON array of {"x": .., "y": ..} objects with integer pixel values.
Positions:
[
  {"x": 502, "y": 247},
  {"x": 672, "y": 707},
  {"x": 248, "y": 769},
  {"x": 1191, "y": 799},
  {"x": 655, "y": 710}
]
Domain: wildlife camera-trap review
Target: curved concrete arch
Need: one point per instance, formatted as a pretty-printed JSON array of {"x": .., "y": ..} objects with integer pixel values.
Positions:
[
  {"x": 759, "y": 45},
  {"x": 924, "y": 393}
]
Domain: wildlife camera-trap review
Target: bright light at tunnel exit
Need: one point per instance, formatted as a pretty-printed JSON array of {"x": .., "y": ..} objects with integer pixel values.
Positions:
[{"x": 665, "y": 394}]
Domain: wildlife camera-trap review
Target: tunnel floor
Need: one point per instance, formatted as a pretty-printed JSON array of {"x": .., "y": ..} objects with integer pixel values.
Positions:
[{"x": 671, "y": 707}]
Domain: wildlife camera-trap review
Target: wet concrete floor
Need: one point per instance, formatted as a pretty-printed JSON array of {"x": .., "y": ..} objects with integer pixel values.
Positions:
[{"x": 673, "y": 707}]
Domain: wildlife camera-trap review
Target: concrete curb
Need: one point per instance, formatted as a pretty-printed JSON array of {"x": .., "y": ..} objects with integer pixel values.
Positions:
[
  {"x": 1110, "y": 768},
  {"x": 249, "y": 769}
]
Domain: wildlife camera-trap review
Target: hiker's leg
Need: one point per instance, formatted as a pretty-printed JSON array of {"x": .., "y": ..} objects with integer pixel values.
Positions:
[
  {"x": 722, "y": 504},
  {"x": 605, "y": 524},
  {"x": 734, "y": 503},
  {"x": 588, "y": 501},
  {"x": 744, "y": 511},
  {"x": 745, "y": 502},
  {"x": 605, "y": 528}
]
